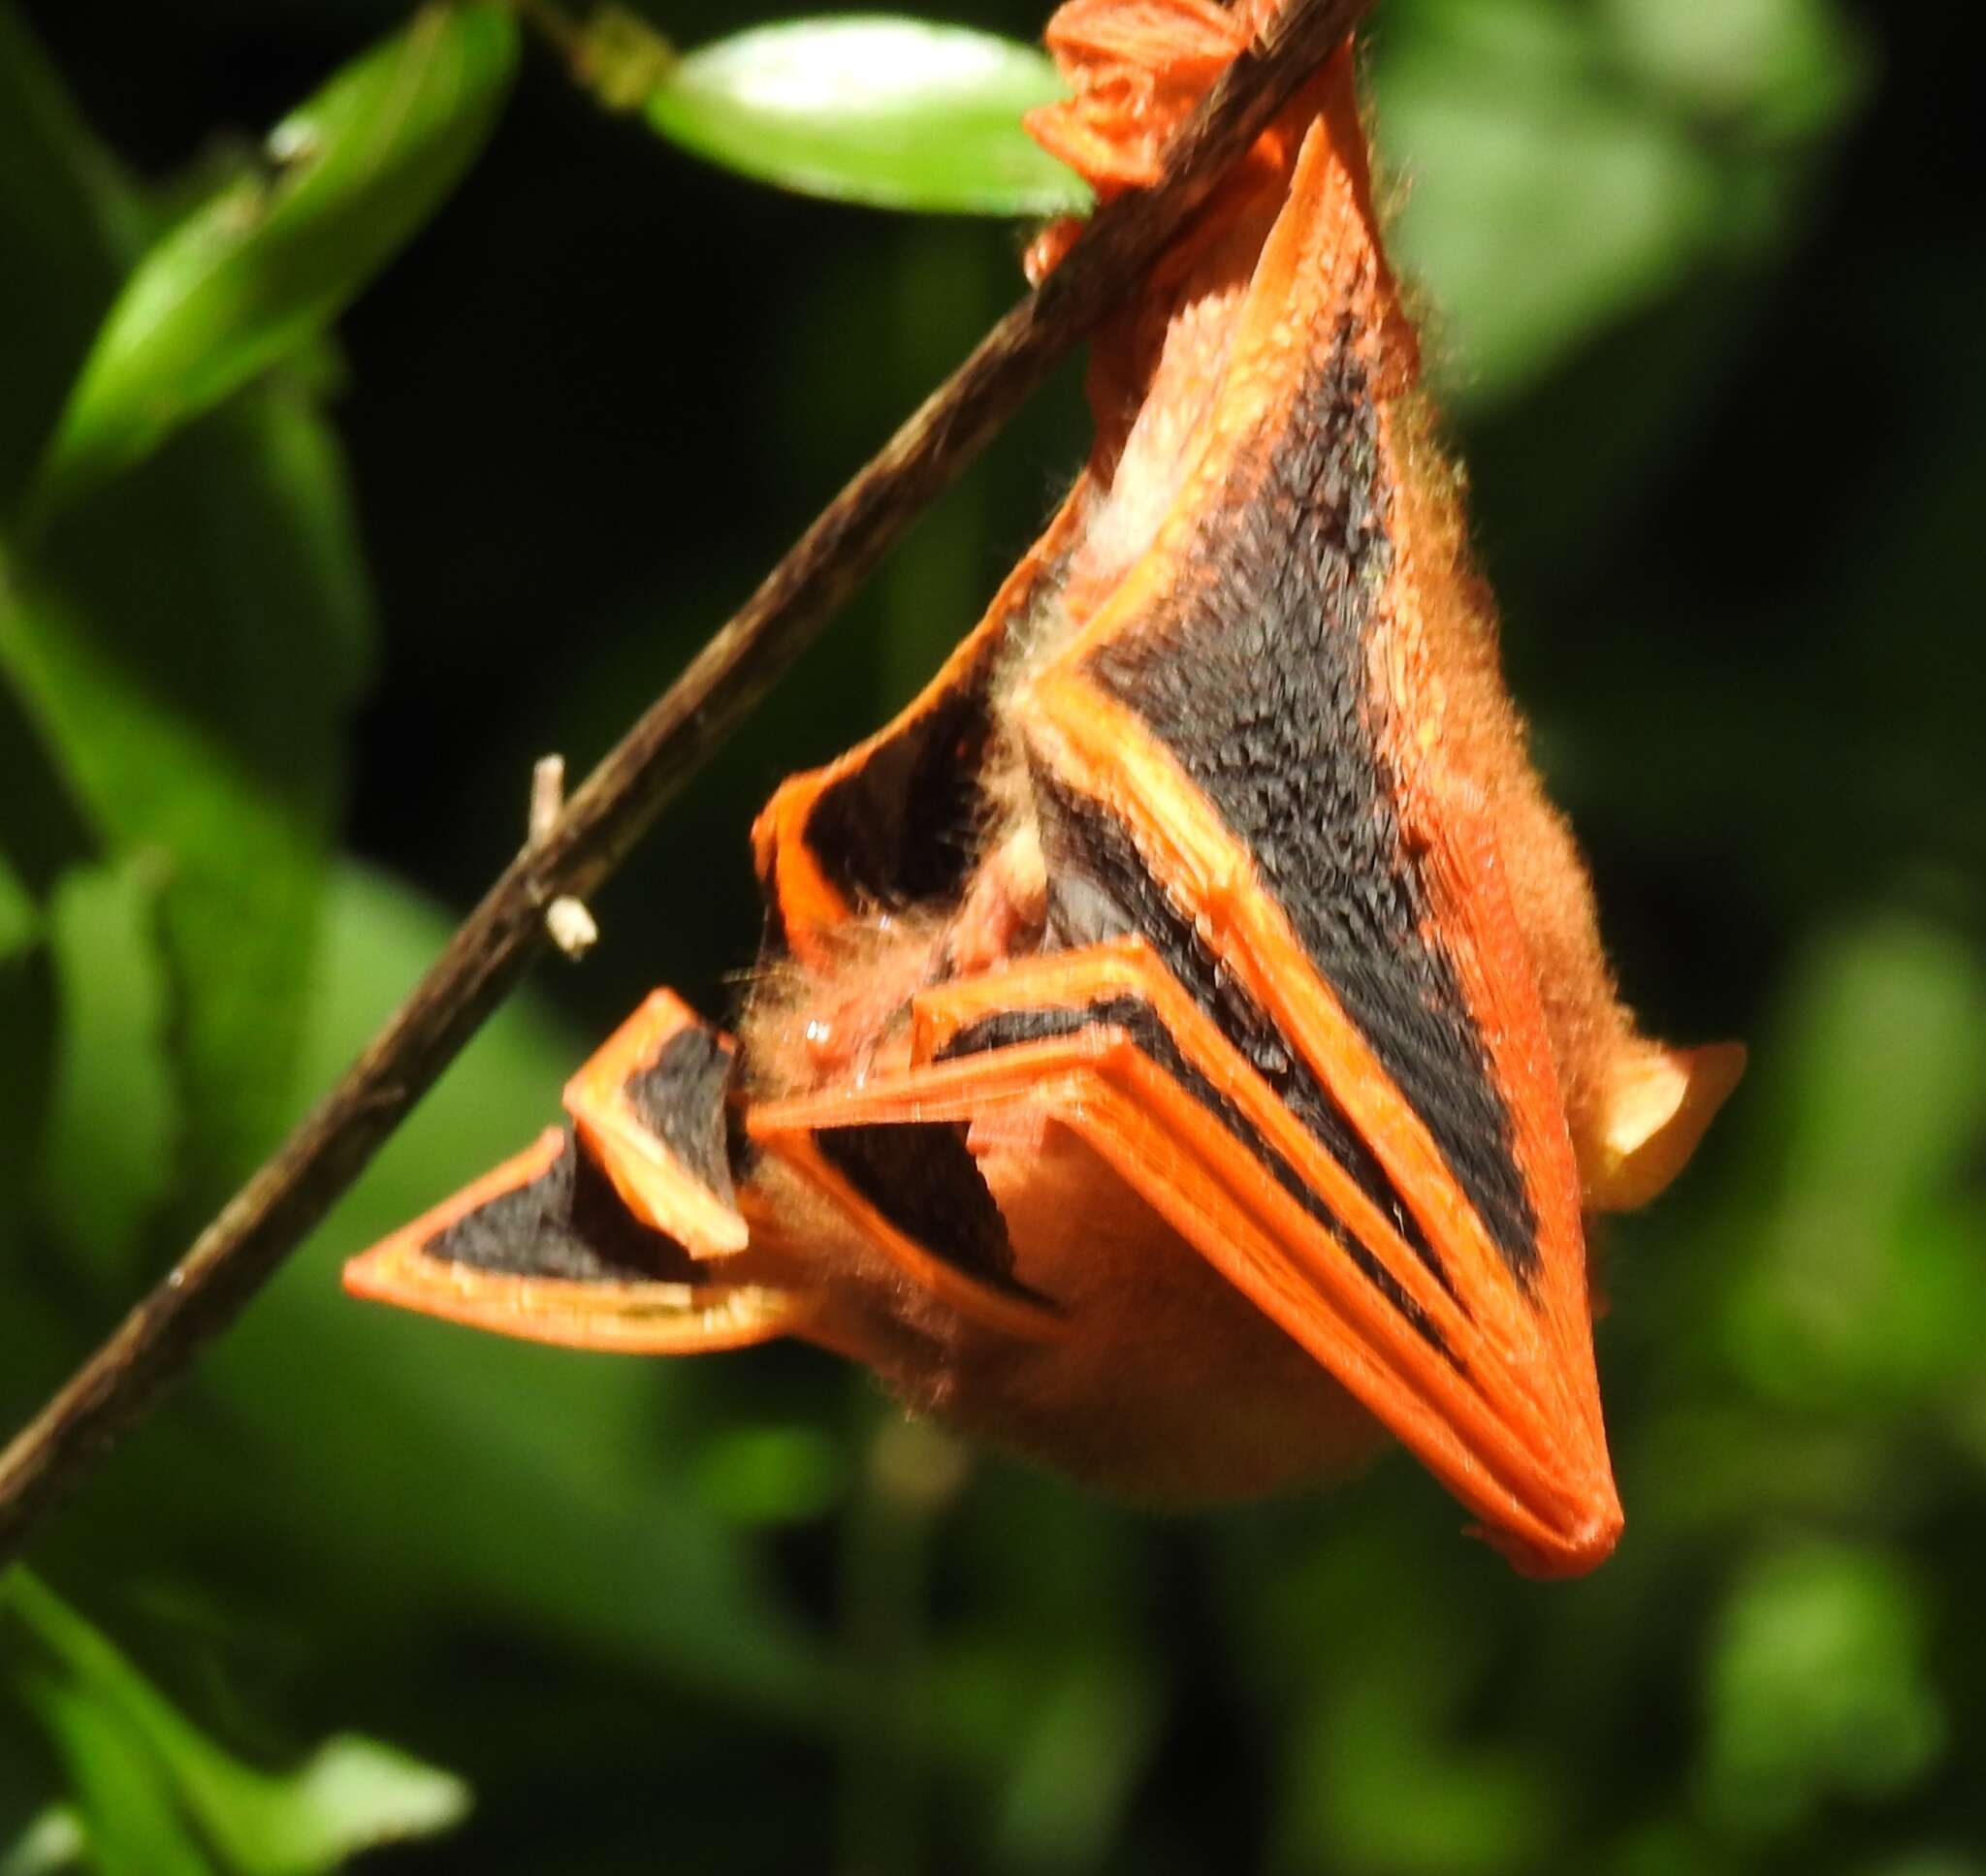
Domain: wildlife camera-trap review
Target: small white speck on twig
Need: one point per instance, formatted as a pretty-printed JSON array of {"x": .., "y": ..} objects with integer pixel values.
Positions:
[{"x": 572, "y": 928}]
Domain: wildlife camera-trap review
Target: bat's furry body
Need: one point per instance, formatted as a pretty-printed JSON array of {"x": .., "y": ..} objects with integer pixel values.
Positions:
[{"x": 1186, "y": 1051}]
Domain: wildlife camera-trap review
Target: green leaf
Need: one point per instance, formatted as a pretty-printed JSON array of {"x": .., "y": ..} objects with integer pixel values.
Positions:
[
  {"x": 145, "y": 643},
  {"x": 112, "y": 1126},
  {"x": 896, "y": 112},
  {"x": 19, "y": 918},
  {"x": 268, "y": 264},
  {"x": 179, "y": 655},
  {"x": 27, "y": 1047},
  {"x": 156, "y": 1795},
  {"x": 67, "y": 222},
  {"x": 1817, "y": 1685},
  {"x": 43, "y": 829}
]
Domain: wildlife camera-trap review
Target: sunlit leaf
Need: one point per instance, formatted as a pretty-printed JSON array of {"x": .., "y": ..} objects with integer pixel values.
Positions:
[
  {"x": 894, "y": 111},
  {"x": 270, "y": 262},
  {"x": 53, "y": 1843},
  {"x": 141, "y": 1766},
  {"x": 127, "y": 1812}
]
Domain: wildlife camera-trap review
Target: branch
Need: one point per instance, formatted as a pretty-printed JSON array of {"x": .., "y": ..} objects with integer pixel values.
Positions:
[{"x": 272, "y": 1213}]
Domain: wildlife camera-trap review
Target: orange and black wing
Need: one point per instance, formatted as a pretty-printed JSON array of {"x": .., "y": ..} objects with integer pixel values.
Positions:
[
  {"x": 621, "y": 1233},
  {"x": 895, "y": 822},
  {"x": 1220, "y": 774}
]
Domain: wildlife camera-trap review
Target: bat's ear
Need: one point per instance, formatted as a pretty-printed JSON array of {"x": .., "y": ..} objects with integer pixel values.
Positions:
[
  {"x": 543, "y": 1248},
  {"x": 1656, "y": 1105}
]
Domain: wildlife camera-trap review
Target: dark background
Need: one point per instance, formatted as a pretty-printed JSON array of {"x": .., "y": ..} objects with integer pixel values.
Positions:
[{"x": 1705, "y": 283}]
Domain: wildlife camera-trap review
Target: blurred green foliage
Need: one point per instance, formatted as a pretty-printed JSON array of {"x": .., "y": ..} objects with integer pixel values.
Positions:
[
  {"x": 264, "y": 265},
  {"x": 154, "y": 1798},
  {"x": 1701, "y": 282}
]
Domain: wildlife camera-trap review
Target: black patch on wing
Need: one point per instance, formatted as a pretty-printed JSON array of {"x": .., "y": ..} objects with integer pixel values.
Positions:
[
  {"x": 679, "y": 1098},
  {"x": 921, "y": 1178},
  {"x": 1136, "y": 1019},
  {"x": 1257, "y": 684},
  {"x": 569, "y": 1222},
  {"x": 901, "y": 829},
  {"x": 1099, "y": 888}
]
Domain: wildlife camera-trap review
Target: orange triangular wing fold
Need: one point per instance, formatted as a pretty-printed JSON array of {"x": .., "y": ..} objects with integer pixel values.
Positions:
[{"x": 541, "y": 1248}]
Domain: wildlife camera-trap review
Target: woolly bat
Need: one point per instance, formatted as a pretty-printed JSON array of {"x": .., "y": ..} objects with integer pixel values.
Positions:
[{"x": 1184, "y": 1052}]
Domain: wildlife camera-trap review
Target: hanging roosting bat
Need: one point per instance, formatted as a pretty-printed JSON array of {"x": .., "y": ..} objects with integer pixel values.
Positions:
[{"x": 1184, "y": 1051}]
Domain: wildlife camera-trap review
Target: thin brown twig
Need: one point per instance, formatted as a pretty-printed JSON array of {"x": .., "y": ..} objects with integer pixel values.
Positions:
[{"x": 271, "y": 1214}]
